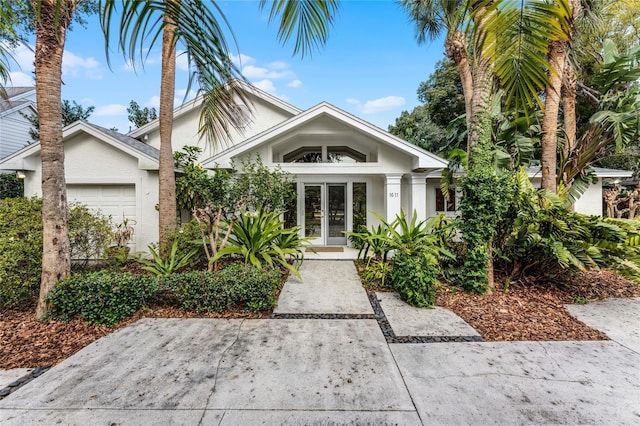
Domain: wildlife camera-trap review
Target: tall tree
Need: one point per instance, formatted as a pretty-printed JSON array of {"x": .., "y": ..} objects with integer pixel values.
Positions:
[
  {"x": 140, "y": 116},
  {"x": 70, "y": 114},
  {"x": 488, "y": 39},
  {"x": 443, "y": 101},
  {"x": 196, "y": 25},
  {"x": 50, "y": 20}
]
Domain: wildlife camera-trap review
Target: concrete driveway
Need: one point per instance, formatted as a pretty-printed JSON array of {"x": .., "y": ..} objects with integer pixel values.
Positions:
[{"x": 328, "y": 371}]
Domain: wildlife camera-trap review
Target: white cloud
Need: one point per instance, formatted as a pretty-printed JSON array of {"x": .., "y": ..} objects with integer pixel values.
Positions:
[
  {"x": 154, "y": 102},
  {"x": 19, "y": 78},
  {"x": 241, "y": 60},
  {"x": 278, "y": 65},
  {"x": 253, "y": 72},
  {"x": 181, "y": 92},
  {"x": 266, "y": 85},
  {"x": 377, "y": 105},
  {"x": 295, "y": 83},
  {"x": 73, "y": 64},
  {"x": 111, "y": 109},
  {"x": 23, "y": 56}
]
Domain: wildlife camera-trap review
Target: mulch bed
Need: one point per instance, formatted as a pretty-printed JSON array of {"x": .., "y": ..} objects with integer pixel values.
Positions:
[
  {"x": 26, "y": 342},
  {"x": 527, "y": 311},
  {"x": 535, "y": 310}
]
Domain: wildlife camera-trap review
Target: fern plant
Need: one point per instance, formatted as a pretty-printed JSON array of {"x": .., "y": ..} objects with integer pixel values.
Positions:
[{"x": 540, "y": 234}]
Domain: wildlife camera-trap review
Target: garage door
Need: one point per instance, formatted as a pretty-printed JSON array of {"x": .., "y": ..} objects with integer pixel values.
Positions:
[{"x": 110, "y": 200}]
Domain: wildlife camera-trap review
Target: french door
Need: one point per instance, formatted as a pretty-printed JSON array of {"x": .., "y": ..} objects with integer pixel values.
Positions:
[{"x": 324, "y": 213}]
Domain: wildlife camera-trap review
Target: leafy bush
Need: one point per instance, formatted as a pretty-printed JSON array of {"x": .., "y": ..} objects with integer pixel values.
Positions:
[
  {"x": 89, "y": 234},
  {"x": 21, "y": 245},
  {"x": 376, "y": 274},
  {"x": 415, "y": 277},
  {"x": 188, "y": 237},
  {"x": 487, "y": 196},
  {"x": 11, "y": 186},
  {"x": 540, "y": 236},
  {"x": 237, "y": 286},
  {"x": 21, "y": 250},
  {"x": 103, "y": 298},
  {"x": 166, "y": 266},
  {"x": 260, "y": 239}
]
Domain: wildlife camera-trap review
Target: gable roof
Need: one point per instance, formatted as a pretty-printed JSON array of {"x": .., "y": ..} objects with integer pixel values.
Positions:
[
  {"x": 17, "y": 98},
  {"x": 197, "y": 103},
  {"x": 147, "y": 156},
  {"x": 424, "y": 160}
]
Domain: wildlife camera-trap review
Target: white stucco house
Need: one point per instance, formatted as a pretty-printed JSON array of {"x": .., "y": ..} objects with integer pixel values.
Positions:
[
  {"x": 344, "y": 167},
  {"x": 14, "y": 126}
]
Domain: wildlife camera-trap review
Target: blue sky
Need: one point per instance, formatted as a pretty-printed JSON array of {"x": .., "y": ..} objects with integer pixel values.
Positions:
[{"x": 371, "y": 65}]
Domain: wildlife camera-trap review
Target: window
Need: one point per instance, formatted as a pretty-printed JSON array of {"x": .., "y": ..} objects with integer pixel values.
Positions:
[
  {"x": 359, "y": 196},
  {"x": 306, "y": 154},
  {"x": 344, "y": 154},
  {"x": 441, "y": 202},
  {"x": 324, "y": 154}
]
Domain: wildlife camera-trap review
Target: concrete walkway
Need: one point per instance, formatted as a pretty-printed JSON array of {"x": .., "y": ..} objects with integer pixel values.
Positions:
[
  {"x": 305, "y": 371},
  {"x": 327, "y": 287}
]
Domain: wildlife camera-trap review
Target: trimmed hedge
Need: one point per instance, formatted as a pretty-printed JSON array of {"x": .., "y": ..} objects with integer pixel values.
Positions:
[
  {"x": 236, "y": 287},
  {"x": 103, "y": 298}
]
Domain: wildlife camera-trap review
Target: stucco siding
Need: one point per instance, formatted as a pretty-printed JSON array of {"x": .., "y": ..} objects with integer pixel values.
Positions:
[
  {"x": 185, "y": 129},
  {"x": 591, "y": 201}
]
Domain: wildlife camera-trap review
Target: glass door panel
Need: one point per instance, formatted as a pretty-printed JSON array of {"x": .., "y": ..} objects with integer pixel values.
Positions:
[
  {"x": 336, "y": 214},
  {"x": 314, "y": 212}
]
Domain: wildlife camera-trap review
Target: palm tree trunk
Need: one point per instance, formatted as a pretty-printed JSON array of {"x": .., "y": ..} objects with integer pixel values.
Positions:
[
  {"x": 456, "y": 48},
  {"x": 549, "y": 142},
  {"x": 569, "y": 112},
  {"x": 51, "y": 29},
  {"x": 167, "y": 186}
]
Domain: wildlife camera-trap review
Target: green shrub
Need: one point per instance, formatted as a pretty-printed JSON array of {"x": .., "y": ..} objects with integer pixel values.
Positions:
[
  {"x": 540, "y": 236},
  {"x": 21, "y": 245},
  {"x": 89, "y": 234},
  {"x": 236, "y": 286},
  {"x": 11, "y": 186},
  {"x": 168, "y": 265},
  {"x": 414, "y": 277},
  {"x": 20, "y": 250},
  {"x": 260, "y": 239},
  {"x": 103, "y": 298},
  {"x": 375, "y": 275},
  {"x": 188, "y": 237}
]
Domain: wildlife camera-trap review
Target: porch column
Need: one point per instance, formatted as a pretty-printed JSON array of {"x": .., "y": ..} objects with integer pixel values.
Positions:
[
  {"x": 418, "y": 195},
  {"x": 393, "y": 190}
]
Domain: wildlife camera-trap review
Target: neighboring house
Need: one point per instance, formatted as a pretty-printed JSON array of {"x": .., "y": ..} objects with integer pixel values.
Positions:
[
  {"x": 345, "y": 168},
  {"x": 14, "y": 126}
]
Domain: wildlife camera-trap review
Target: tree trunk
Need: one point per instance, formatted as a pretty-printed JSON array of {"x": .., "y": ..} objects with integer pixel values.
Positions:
[
  {"x": 479, "y": 141},
  {"x": 549, "y": 142},
  {"x": 456, "y": 48},
  {"x": 569, "y": 108},
  {"x": 51, "y": 29},
  {"x": 568, "y": 94},
  {"x": 167, "y": 185}
]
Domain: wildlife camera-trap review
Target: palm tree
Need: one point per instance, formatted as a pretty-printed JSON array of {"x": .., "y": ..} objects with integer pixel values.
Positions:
[
  {"x": 196, "y": 25},
  {"x": 51, "y": 19},
  {"x": 488, "y": 39}
]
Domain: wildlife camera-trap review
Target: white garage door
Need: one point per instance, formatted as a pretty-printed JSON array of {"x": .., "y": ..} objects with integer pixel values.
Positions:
[{"x": 110, "y": 200}]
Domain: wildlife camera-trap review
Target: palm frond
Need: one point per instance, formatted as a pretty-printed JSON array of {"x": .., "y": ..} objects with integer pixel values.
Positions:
[
  {"x": 309, "y": 20},
  {"x": 518, "y": 51}
]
